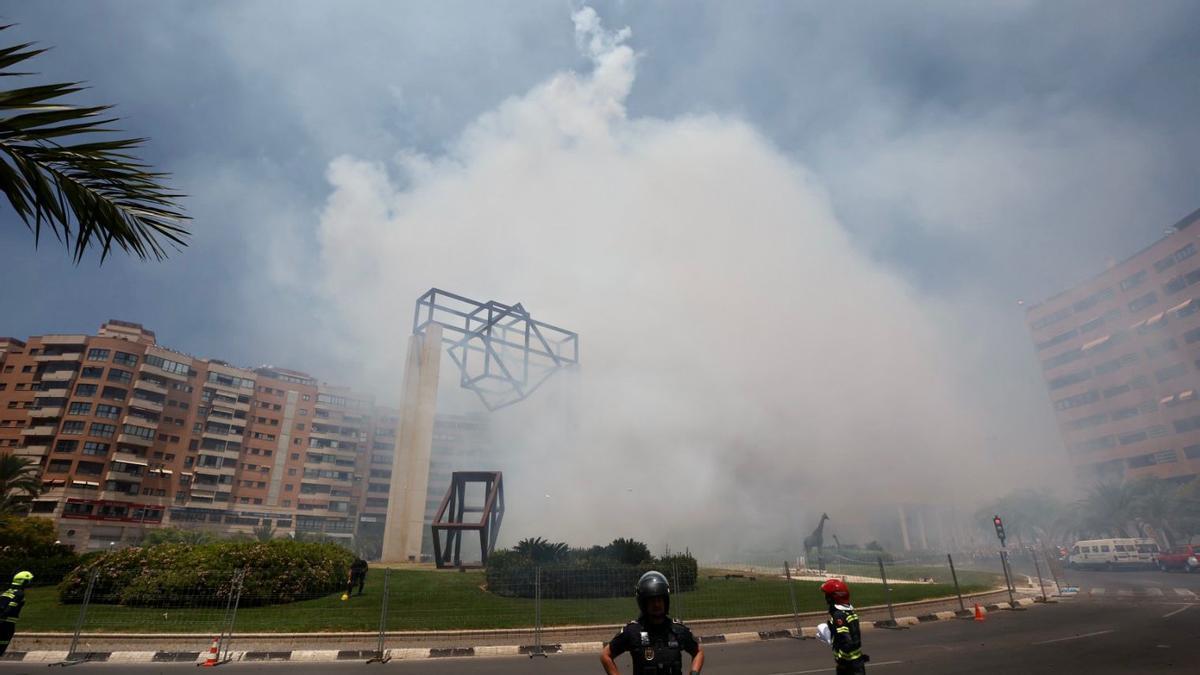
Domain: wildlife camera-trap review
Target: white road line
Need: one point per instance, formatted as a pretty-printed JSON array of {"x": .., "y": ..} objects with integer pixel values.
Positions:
[
  {"x": 1183, "y": 592},
  {"x": 1097, "y": 591},
  {"x": 1157, "y": 592},
  {"x": 1075, "y": 637},
  {"x": 1171, "y": 614},
  {"x": 830, "y": 670}
]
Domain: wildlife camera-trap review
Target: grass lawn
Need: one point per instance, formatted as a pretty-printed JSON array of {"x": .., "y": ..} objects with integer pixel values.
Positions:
[{"x": 429, "y": 600}]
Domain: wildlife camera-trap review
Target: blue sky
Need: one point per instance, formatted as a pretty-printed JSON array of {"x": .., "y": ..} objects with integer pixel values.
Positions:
[{"x": 928, "y": 164}]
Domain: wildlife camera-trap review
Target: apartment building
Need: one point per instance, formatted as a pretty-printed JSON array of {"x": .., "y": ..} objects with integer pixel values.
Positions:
[
  {"x": 1120, "y": 354},
  {"x": 131, "y": 435}
]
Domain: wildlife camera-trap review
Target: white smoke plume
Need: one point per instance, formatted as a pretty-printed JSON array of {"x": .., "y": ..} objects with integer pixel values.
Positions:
[{"x": 745, "y": 366}]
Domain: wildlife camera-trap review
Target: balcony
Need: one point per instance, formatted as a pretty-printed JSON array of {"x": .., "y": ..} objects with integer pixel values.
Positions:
[
  {"x": 42, "y": 430},
  {"x": 40, "y": 413},
  {"x": 80, "y": 340},
  {"x": 69, "y": 357},
  {"x": 34, "y": 452},
  {"x": 155, "y": 370},
  {"x": 120, "y": 472},
  {"x": 53, "y": 392},
  {"x": 237, "y": 438},
  {"x": 129, "y": 458},
  {"x": 145, "y": 404},
  {"x": 58, "y": 376},
  {"x": 146, "y": 385},
  {"x": 130, "y": 439}
]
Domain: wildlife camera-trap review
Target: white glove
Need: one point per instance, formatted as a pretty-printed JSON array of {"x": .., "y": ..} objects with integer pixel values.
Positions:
[{"x": 824, "y": 635}]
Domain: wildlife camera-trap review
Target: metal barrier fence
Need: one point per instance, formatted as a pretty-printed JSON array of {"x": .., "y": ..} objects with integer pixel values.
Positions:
[{"x": 536, "y": 607}]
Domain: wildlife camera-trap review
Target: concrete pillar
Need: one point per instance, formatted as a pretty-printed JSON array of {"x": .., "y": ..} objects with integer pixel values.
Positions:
[
  {"x": 405, "y": 523},
  {"x": 904, "y": 527}
]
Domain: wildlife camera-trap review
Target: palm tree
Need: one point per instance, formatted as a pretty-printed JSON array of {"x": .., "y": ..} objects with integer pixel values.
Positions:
[
  {"x": 265, "y": 531},
  {"x": 539, "y": 550},
  {"x": 1109, "y": 508},
  {"x": 19, "y": 483},
  {"x": 87, "y": 193},
  {"x": 1157, "y": 503}
]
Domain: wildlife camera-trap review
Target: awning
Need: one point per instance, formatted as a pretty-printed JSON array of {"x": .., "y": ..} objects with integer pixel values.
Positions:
[
  {"x": 1155, "y": 319},
  {"x": 85, "y": 483},
  {"x": 161, "y": 471},
  {"x": 1096, "y": 343},
  {"x": 1187, "y": 395},
  {"x": 1182, "y": 306},
  {"x": 1166, "y": 399},
  {"x": 1138, "y": 325}
]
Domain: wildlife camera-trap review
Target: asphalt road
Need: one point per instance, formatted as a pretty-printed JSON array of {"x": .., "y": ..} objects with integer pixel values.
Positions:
[{"x": 1120, "y": 622}]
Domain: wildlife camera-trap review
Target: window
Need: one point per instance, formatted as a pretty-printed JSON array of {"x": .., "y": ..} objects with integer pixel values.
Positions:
[
  {"x": 1061, "y": 404},
  {"x": 94, "y": 448},
  {"x": 72, "y": 428},
  {"x": 1143, "y": 301},
  {"x": 1064, "y": 358},
  {"x": 299, "y": 426},
  {"x": 113, "y": 394},
  {"x": 1071, "y": 378},
  {"x": 303, "y": 412},
  {"x": 58, "y": 466},
  {"x": 1170, "y": 372},
  {"x": 125, "y": 359},
  {"x": 1185, "y": 252},
  {"x": 102, "y": 430},
  {"x": 111, "y": 412},
  {"x": 97, "y": 355},
  {"x": 118, "y": 375},
  {"x": 85, "y": 390},
  {"x": 66, "y": 446},
  {"x": 91, "y": 372},
  {"x": 79, "y": 409},
  {"x": 307, "y": 397}
]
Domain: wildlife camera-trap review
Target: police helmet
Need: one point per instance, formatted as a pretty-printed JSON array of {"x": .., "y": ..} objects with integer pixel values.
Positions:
[
  {"x": 22, "y": 578},
  {"x": 652, "y": 585}
]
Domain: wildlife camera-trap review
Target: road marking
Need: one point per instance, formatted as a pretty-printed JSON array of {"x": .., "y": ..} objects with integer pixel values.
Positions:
[
  {"x": 1171, "y": 614},
  {"x": 1074, "y": 637},
  {"x": 1183, "y": 592},
  {"x": 1124, "y": 593},
  {"x": 830, "y": 670},
  {"x": 1157, "y": 592},
  {"x": 1097, "y": 591}
]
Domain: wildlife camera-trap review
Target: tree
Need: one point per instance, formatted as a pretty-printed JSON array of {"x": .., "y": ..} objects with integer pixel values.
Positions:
[
  {"x": 265, "y": 531},
  {"x": 539, "y": 550},
  {"x": 175, "y": 535},
  {"x": 1157, "y": 503},
  {"x": 19, "y": 483},
  {"x": 629, "y": 551},
  {"x": 89, "y": 194},
  {"x": 1109, "y": 508}
]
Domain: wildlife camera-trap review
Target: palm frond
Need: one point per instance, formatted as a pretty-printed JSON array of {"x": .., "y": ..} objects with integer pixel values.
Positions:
[{"x": 88, "y": 194}]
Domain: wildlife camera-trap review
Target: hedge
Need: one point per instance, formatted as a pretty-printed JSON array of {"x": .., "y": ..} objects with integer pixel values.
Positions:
[
  {"x": 513, "y": 575},
  {"x": 181, "y": 575}
]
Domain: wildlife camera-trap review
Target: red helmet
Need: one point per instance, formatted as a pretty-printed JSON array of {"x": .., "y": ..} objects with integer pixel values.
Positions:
[{"x": 836, "y": 590}]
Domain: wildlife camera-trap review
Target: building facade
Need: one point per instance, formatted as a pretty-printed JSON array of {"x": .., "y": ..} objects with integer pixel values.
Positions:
[
  {"x": 1120, "y": 355},
  {"x": 130, "y": 435}
]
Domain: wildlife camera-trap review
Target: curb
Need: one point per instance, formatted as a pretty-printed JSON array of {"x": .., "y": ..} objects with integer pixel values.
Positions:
[{"x": 408, "y": 653}]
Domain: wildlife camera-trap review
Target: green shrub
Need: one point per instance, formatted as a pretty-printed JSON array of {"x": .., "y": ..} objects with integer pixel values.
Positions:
[
  {"x": 511, "y": 574},
  {"x": 179, "y": 575},
  {"x": 28, "y": 544}
]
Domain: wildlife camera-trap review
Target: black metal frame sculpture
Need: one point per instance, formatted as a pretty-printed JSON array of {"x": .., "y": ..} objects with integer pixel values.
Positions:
[
  {"x": 491, "y": 513},
  {"x": 502, "y": 353}
]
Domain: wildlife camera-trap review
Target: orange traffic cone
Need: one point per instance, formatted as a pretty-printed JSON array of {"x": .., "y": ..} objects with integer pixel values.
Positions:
[
  {"x": 213, "y": 650},
  {"x": 979, "y": 613}
]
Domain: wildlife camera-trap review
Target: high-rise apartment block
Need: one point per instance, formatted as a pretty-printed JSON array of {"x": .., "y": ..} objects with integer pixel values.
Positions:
[
  {"x": 1120, "y": 354},
  {"x": 130, "y": 435}
]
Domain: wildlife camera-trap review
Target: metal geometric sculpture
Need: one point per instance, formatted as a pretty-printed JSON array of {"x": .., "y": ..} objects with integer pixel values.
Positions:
[
  {"x": 502, "y": 353},
  {"x": 449, "y": 517}
]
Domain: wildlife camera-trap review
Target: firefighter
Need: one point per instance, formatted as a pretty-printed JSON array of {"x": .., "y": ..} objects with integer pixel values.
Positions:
[
  {"x": 842, "y": 632},
  {"x": 358, "y": 575},
  {"x": 11, "y": 602},
  {"x": 655, "y": 641}
]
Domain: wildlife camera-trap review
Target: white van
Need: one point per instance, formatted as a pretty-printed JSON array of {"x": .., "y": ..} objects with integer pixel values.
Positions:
[
  {"x": 1108, "y": 554},
  {"x": 1147, "y": 550}
]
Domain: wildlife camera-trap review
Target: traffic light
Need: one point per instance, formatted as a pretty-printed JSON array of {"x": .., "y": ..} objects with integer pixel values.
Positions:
[{"x": 999, "y": 528}]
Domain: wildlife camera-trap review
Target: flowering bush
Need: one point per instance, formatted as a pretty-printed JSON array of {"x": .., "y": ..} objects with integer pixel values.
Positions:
[{"x": 182, "y": 575}]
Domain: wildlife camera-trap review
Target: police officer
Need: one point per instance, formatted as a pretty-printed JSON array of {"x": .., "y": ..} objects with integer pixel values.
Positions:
[
  {"x": 654, "y": 641},
  {"x": 11, "y": 602},
  {"x": 842, "y": 632}
]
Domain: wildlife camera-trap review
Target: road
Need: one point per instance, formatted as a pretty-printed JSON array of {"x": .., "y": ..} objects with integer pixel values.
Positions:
[{"x": 1118, "y": 623}]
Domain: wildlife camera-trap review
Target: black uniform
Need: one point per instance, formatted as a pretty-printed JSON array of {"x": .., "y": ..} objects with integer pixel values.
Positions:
[
  {"x": 847, "y": 640},
  {"x": 358, "y": 574},
  {"x": 11, "y": 602},
  {"x": 657, "y": 649}
]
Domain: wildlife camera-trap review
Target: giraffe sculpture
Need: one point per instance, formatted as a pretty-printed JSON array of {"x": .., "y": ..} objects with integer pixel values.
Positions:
[{"x": 816, "y": 539}]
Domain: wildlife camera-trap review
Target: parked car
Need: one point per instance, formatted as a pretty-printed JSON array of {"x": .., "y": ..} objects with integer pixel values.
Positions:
[
  {"x": 1147, "y": 552},
  {"x": 1186, "y": 558},
  {"x": 1108, "y": 554}
]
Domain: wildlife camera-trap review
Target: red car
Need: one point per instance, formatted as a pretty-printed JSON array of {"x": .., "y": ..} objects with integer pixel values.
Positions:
[{"x": 1186, "y": 558}]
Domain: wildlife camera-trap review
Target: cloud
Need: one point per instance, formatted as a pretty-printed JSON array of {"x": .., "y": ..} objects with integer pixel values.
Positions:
[{"x": 743, "y": 361}]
